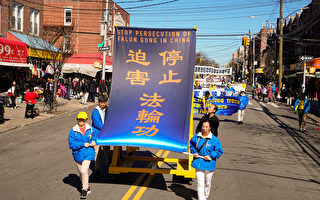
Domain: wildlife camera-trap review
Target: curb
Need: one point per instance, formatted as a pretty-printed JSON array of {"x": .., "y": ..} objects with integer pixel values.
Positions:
[{"x": 49, "y": 117}]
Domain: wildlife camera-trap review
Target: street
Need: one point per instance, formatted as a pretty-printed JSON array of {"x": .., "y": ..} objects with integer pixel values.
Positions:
[{"x": 264, "y": 158}]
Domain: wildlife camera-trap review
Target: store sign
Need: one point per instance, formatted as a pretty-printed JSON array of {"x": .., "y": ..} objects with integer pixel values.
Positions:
[
  {"x": 13, "y": 51},
  {"x": 305, "y": 58},
  {"x": 51, "y": 55}
]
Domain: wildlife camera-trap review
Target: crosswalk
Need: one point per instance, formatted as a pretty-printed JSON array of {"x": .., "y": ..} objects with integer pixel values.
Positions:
[{"x": 264, "y": 105}]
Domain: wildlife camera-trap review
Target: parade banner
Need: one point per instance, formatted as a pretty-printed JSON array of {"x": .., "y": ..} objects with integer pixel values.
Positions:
[
  {"x": 212, "y": 70},
  {"x": 151, "y": 90},
  {"x": 227, "y": 105}
]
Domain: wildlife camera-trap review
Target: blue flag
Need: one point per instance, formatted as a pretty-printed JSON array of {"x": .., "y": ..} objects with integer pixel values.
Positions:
[{"x": 152, "y": 73}]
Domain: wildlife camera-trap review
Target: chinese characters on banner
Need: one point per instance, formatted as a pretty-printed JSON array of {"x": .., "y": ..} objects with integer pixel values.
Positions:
[
  {"x": 151, "y": 91},
  {"x": 13, "y": 51}
]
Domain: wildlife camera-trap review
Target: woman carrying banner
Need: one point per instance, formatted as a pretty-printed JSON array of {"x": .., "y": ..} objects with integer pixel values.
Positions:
[
  {"x": 244, "y": 100},
  {"x": 206, "y": 149},
  {"x": 82, "y": 142}
]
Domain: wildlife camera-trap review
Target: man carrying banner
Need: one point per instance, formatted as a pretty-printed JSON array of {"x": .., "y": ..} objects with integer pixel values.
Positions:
[
  {"x": 212, "y": 118},
  {"x": 98, "y": 117},
  {"x": 206, "y": 149},
  {"x": 244, "y": 100}
]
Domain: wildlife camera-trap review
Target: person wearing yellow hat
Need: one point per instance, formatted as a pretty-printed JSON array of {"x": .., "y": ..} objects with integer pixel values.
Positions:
[
  {"x": 212, "y": 87},
  {"x": 81, "y": 142}
]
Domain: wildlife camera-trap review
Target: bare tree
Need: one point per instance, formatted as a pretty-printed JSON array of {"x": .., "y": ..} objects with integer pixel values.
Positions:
[
  {"x": 203, "y": 60},
  {"x": 53, "y": 48}
]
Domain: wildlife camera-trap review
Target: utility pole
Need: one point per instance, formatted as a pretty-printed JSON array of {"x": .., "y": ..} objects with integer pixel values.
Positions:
[
  {"x": 253, "y": 61},
  {"x": 104, "y": 41},
  {"x": 280, "y": 47}
]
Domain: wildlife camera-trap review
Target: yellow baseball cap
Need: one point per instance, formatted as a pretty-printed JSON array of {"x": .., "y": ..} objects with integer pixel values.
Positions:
[{"x": 82, "y": 115}]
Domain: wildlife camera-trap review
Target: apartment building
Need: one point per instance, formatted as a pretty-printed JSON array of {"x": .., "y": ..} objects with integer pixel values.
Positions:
[{"x": 79, "y": 26}]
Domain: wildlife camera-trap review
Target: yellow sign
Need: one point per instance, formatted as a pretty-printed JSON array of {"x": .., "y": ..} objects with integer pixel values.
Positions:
[
  {"x": 51, "y": 55},
  {"x": 259, "y": 71}
]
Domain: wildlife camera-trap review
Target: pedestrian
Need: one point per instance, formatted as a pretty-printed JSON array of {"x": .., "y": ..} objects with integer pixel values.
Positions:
[
  {"x": 244, "y": 100},
  {"x": 302, "y": 107},
  {"x": 103, "y": 88},
  {"x": 98, "y": 117},
  {"x": 269, "y": 94},
  {"x": 13, "y": 94},
  {"x": 206, "y": 149},
  {"x": 30, "y": 98},
  {"x": 81, "y": 141},
  {"x": 108, "y": 85},
  {"x": 212, "y": 118},
  {"x": 92, "y": 90},
  {"x": 85, "y": 91},
  {"x": 264, "y": 92},
  {"x": 283, "y": 92},
  {"x": 69, "y": 88},
  {"x": 254, "y": 92}
]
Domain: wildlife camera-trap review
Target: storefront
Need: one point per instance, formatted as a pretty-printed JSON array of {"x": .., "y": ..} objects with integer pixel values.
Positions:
[
  {"x": 13, "y": 63},
  {"x": 40, "y": 52}
]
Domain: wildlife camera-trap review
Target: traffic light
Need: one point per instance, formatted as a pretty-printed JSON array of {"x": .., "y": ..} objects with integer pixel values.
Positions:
[
  {"x": 247, "y": 43},
  {"x": 244, "y": 40}
]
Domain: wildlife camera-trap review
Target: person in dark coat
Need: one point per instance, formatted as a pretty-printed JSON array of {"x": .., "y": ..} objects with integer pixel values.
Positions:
[
  {"x": 69, "y": 88},
  {"x": 212, "y": 118},
  {"x": 92, "y": 90},
  {"x": 108, "y": 84},
  {"x": 103, "y": 88},
  {"x": 85, "y": 91}
]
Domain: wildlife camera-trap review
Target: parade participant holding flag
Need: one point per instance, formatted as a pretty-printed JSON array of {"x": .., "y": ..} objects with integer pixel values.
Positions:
[
  {"x": 98, "y": 118},
  {"x": 206, "y": 149},
  {"x": 244, "y": 100},
  {"x": 82, "y": 141}
]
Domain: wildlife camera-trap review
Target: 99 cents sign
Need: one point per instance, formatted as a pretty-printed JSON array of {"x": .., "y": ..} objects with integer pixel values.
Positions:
[{"x": 13, "y": 51}]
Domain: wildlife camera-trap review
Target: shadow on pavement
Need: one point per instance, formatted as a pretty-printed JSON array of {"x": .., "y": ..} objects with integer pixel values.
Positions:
[
  {"x": 74, "y": 181},
  {"x": 273, "y": 175},
  {"x": 181, "y": 191},
  {"x": 306, "y": 147}
]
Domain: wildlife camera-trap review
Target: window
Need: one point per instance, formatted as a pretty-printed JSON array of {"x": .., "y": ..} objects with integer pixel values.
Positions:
[
  {"x": 17, "y": 17},
  {"x": 34, "y": 22},
  {"x": 67, "y": 16},
  {"x": 67, "y": 43}
]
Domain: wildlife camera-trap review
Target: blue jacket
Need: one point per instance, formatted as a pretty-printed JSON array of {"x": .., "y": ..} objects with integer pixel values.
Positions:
[
  {"x": 306, "y": 105},
  {"x": 212, "y": 148},
  {"x": 230, "y": 89},
  {"x": 98, "y": 118},
  {"x": 244, "y": 100},
  {"x": 76, "y": 143}
]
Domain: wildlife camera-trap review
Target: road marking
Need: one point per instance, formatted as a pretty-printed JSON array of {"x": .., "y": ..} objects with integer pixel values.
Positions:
[
  {"x": 257, "y": 109},
  {"x": 250, "y": 103},
  {"x": 148, "y": 181},
  {"x": 138, "y": 181}
]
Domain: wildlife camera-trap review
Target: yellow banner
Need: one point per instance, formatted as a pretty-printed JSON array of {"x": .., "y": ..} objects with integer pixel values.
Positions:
[{"x": 51, "y": 55}]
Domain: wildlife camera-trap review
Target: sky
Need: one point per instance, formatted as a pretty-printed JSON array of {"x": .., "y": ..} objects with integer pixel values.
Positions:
[{"x": 212, "y": 17}]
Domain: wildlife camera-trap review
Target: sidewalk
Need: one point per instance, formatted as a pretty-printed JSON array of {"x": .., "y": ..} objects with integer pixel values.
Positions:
[{"x": 14, "y": 118}]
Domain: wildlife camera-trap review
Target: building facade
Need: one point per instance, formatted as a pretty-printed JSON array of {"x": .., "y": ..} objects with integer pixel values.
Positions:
[{"x": 79, "y": 26}]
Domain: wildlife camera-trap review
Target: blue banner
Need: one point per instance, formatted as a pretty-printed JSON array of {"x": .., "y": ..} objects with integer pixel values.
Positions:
[
  {"x": 227, "y": 105},
  {"x": 152, "y": 72}
]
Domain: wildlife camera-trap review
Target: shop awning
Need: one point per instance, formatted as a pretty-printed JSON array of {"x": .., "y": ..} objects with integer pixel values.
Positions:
[
  {"x": 38, "y": 47},
  {"x": 95, "y": 60},
  {"x": 15, "y": 64},
  {"x": 12, "y": 51},
  {"x": 86, "y": 69}
]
